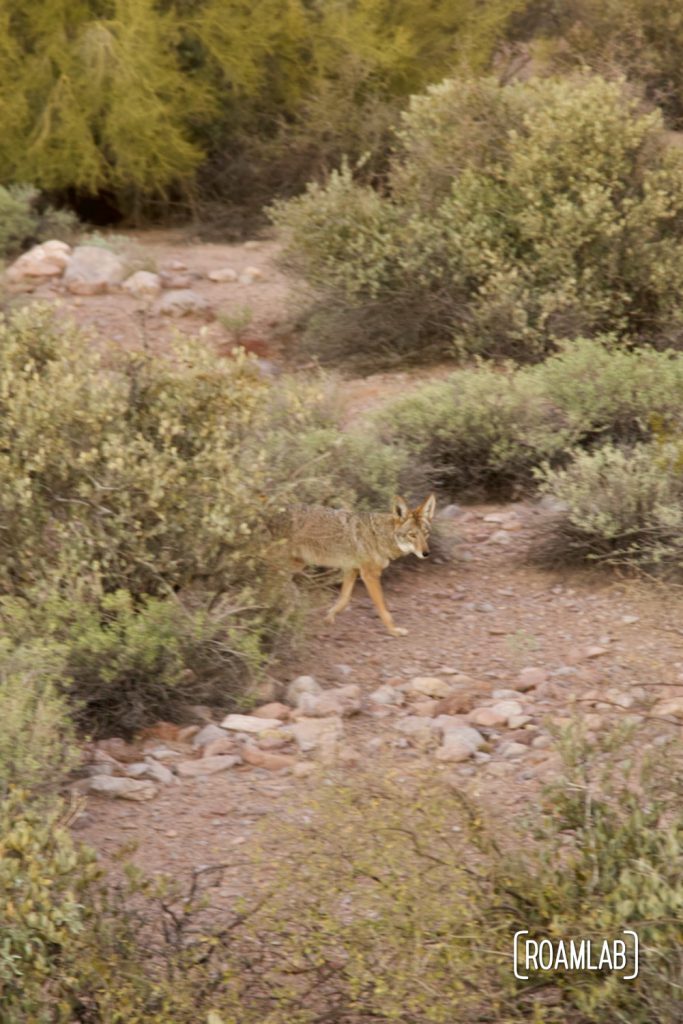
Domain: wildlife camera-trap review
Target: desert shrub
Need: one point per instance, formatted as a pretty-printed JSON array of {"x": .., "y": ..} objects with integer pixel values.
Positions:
[
  {"x": 553, "y": 220},
  {"x": 413, "y": 894},
  {"x": 484, "y": 430},
  {"x": 122, "y": 485},
  {"x": 636, "y": 38},
  {"x": 619, "y": 506},
  {"x": 36, "y": 739},
  {"x": 24, "y": 220}
]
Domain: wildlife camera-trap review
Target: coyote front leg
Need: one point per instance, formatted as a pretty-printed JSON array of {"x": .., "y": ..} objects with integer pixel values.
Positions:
[
  {"x": 345, "y": 595},
  {"x": 371, "y": 578}
]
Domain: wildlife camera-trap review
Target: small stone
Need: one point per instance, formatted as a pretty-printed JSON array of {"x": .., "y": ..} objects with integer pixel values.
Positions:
[
  {"x": 455, "y": 704},
  {"x": 541, "y": 742},
  {"x": 426, "y": 708},
  {"x": 122, "y": 789},
  {"x": 430, "y": 686},
  {"x": 159, "y": 772},
  {"x": 387, "y": 696},
  {"x": 119, "y": 749},
  {"x": 303, "y": 768},
  {"x": 176, "y": 265},
  {"x": 181, "y": 302},
  {"x": 302, "y": 684},
  {"x": 310, "y": 733},
  {"x": 512, "y": 749},
  {"x": 207, "y": 765},
  {"x": 459, "y": 744},
  {"x": 188, "y": 732},
  {"x": 221, "y": 745},
  {"x": 672, "y": 707},
  {"x": 529, "y": 679},
  {"x": 250, "y": 275},
  {"x": 499, "y": 537},
  {"x": 272, "y": 710},
  {"x": 265, "y": 759},
  {"x": 47, "y": 260},
  {"x": 143, "y": 285},
  {"x": 518, "y": 721},
  {"x": 595, "y": 651},
  {"x": 248, "y": 723},
  {"x": 208, "y": 734},
  {"x": 222, "y": 274}
]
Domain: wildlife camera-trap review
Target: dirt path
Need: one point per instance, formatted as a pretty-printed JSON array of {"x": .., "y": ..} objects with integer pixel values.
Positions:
[{"x": 485, "y": 614}]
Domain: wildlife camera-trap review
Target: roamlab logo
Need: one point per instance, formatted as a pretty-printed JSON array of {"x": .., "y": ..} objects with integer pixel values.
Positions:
[{"x": 534, "y": 955}]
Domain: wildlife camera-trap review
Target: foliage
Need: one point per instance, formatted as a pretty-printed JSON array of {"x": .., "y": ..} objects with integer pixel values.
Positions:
[
  {"x": 131, "y": 97},
  {"x": 515, "y": 216},
  {"x": 124, "y": 485},
  {"x": 485, "y": 429},
  {"x": 619, "y": 506},
  {"x": 24, "y": 221},
  {"x": 642, "y": 39},
  {"x": 36, "y": 738}
]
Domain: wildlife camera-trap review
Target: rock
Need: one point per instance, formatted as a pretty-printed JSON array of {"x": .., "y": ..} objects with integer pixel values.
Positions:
[
  {"x": 311, "y": 733},
  {"x": 208, "y": 734},
  {"x": 92, "y": 270},
  {"x": 499, "y": 537},
  {"x": 221, "y": 745},
  {"x": 274, "y": 740},
  {"x": 101, "y": 769},
  {"x": 222, "y": 274},
  {"x": 541, "y": 742},
  {"x": 272, "y": 710},
  {"x": 302, "y": 684},
  {"x": 207, "y": 765},
  {"x": 303, "y": 768},
  {"x": 344, "y": 701},
  {"x": 455, "y": 704},
  {"x": 629, "y": 620},
  {"x": 509, "y": 750},
  {"x": 265, "y": 759},
  {"x": 181, "y": 302},
  {"x": 118, "y": 749},
  {"x": 188, "y": 732},
  {"x": 430, "y": 686},
  {"x": 342, "y": 671},
  {"x": 176, "y": 265},
  {"x": 418, "y": 728},
  {"x": 672, "y": 707},
  {"x": 518, "y": 721},
  {"x": 487, "y": 718},
  {"x": 529, "y": 679},
  {"x": 447, "y": 723},
  {"x": 450, "y": 512},
  {"x": 162, "y": 753},
  {"x": 177, "y": 281},
  {"x": 42, "y": 261},
  {"x": 459, "y": 744},
  {"x": 387, "y": 696},
  {"x": 143, "y": 285},
  {"x": 122, "y": 789},
  {"x": 250, "y": 275},
  {"x": 159, "y": 772},
  {"x": 427, "y": 708},
  {"x": 249, "y": 723},
  {"x": 134, "y": 771},
  {"x": 594, "y": 652}
]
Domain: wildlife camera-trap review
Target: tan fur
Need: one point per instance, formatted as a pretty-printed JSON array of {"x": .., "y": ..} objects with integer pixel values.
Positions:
[{"x": 357, "y": 543}]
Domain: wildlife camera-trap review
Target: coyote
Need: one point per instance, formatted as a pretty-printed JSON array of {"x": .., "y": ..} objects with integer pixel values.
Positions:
[{"x": 356, "y": 542}]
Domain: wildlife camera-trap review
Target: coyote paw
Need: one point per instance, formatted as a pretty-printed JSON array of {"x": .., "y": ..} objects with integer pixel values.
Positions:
[
  {"x": 329, "y": 618},
  {"x": 398, "y": 631}
]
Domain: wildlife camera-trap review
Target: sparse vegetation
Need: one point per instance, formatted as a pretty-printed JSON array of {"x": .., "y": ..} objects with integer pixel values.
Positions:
[
  {"x": 25, "y": 219},
  {"x": 555, "y": 219}
]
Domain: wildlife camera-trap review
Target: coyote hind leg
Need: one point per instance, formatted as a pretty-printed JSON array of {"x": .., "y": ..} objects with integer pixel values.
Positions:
[{"x": 344, "y": 596}]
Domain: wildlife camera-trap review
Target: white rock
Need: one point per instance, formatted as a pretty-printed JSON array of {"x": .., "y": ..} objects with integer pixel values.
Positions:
[
  {"x": 250, "y": 275},
  {"x": 250, "y": 723},
  {"x": 181, "y": 302},
  {"x": 159, "y": 772},
  {"x": 207, "y": 765},
  {"x": 222, "y": 274},
  {"x": 46, "y": 260},
  {"x": 459, "y": 744},
  {"x": 512, "y": 749},
  {"x": 143, "y": 285},
  {"x": 123, "y": 789},
  {"x": 311, "y": 733},
  {"x": 93, "y": 269},
  {"x": 430, "y": 686},
  {"x": 387, "y": 696},
  {"x": 518, "y": 721},
  {"x": 207, "y": 734},
  {"x": 302, "y": 684}
]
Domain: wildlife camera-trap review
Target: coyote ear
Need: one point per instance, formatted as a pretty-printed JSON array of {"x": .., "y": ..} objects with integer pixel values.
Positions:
[
  {"x": 427, "y": 509},
  {"x": 399, "y": 507}
]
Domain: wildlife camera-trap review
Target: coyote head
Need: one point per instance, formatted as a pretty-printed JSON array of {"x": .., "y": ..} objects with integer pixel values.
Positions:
[{"x": 411, "y": 527}]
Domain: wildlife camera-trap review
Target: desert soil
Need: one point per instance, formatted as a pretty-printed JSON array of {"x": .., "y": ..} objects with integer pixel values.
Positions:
[{"x": 609, "y": 648}]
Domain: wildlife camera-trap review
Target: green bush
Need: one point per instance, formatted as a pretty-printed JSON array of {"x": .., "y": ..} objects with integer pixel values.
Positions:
[
  {"x": 555, "y": 218},
  {"x": 36, "y": 741},
  {"x": 24, "y": 222},
  {"x": 619, "y": 506},
  {"x": 124, "y": 485},
  {"x": 484, "y": 430}
]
